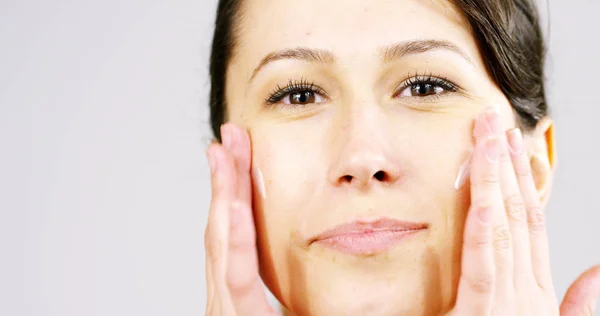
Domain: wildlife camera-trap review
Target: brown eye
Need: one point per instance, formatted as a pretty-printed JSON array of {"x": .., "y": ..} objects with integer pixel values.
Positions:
[
  {"x": 421, "y": 90},
  {"x": 303, "y": 98},
  {"x": 423, "y": 87}
]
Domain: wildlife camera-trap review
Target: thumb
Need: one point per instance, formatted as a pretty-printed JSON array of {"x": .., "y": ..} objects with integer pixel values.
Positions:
[{"x": 581, "y": 297}]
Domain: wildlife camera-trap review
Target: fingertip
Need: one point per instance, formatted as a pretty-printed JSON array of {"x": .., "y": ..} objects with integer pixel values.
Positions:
[
  {"x": 223, "y": 177},
  {"x": 238, "y": 140}
]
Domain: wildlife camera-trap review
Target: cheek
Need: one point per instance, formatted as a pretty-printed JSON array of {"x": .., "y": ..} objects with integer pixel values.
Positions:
[
  {"x": 284, "y": 175},
  {"x": 288, "y": 176}
]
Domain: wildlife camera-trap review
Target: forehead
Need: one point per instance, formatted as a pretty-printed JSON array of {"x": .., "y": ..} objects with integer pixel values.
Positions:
[{"x": 346, "y": 27}]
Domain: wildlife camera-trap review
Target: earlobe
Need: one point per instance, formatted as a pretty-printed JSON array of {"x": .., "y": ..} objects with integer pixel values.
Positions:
[{"x": 543, "y": 157}]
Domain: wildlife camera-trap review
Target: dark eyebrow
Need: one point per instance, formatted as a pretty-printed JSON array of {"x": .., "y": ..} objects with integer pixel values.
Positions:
[
  {"x": 307, "y": 54},
  {"x": 390, "y": 53},
  {"x": 402, "y": 49}
]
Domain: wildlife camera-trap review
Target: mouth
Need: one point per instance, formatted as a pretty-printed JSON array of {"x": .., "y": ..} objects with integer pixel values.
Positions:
[{"x": 368, "y": 237}]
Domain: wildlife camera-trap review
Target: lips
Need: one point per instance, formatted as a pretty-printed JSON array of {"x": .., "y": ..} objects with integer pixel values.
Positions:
[{"x": 367, "y": 237}]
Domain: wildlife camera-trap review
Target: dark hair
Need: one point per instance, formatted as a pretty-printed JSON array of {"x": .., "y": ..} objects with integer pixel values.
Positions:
[{"x": 507, "y": 32}]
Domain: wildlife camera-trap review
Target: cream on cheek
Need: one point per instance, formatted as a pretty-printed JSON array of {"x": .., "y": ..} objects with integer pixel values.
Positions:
[
  {"x": 463, "y": 172},
  {"x": 259, "y": 181}
]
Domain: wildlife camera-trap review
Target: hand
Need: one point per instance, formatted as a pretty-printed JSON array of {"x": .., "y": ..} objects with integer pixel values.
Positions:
[
  {"x": 582, "y": 295},
  {"x": 233, "y": 281},
  {"x": 505, "y": 261}
]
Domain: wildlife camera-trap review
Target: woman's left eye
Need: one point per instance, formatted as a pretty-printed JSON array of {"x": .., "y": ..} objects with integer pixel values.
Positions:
[
  {"x": 425, "y": 87},
  {"x": 303, "y": 97},
  {"x": 297, "y": 94},
  {"x": 421, "y": 90}
]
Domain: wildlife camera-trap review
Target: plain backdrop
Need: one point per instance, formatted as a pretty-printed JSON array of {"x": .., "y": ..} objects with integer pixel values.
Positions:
[{"x": 104, "y": 186}]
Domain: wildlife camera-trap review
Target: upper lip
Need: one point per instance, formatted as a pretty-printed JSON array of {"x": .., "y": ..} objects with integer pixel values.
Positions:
[{"x": 362, "y": 226}]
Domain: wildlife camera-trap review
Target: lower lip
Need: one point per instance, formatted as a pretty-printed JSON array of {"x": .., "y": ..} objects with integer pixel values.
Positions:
[{"x": 366, "y": 243}]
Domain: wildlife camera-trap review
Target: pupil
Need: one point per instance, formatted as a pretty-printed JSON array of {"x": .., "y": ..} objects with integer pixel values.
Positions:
[
  {"x": 303, "y": 97},
  {"x": 423, "y": 89}
]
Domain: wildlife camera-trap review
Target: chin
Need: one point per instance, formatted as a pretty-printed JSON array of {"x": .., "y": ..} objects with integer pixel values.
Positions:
[
  {"x": 346, "y": 297},
  {"x": 402, "y": 282}
]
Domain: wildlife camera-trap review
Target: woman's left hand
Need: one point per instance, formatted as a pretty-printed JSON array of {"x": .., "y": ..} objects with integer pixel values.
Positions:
[{"x": 505, "y": 260}]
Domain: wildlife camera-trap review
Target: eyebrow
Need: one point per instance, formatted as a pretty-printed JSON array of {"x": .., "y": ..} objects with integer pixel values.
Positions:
[
  {"x": 310, "y": 55},
  {"x": 389, "y": 53},
  {"x": 399, "y": 50}
]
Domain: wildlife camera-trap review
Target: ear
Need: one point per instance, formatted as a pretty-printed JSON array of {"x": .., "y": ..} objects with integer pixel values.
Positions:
[{"x": 542, "y": 157}]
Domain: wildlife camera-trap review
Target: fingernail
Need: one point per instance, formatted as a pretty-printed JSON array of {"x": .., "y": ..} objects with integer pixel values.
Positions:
[
  {"x": 515, "y": 141},
  {"x": 212, "y": 161},
  {"x": 493, "y": 149},
  {"x": 485, "y": 215},
  {"x": 493, "y": 120}
]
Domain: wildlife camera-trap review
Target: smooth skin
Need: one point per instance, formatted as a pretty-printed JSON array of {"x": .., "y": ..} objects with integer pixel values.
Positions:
[
  {"x": 505, "y": 259},
  {"x": 320, "y": 159}
]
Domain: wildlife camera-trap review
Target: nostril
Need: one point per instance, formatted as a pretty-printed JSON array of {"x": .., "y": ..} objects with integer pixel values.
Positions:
[
  {"x": 380, "y": 176},
  {"x": 348, "y": 179}
]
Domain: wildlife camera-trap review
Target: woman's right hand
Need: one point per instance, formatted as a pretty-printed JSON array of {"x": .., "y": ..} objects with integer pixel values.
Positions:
[{"x": 232, "y": 277}]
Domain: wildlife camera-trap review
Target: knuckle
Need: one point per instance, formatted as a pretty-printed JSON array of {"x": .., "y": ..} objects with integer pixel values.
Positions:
[
  {"x": 213, "y": 249},
  {"x": 502, "y": 238},
  {"x": 515, "y": 208},
  {"x": 478, "y": 241},
  {"x": 206, "y": 237},
  {"x": 240, "y": 242},
  {"x": 239, "y": 285},
  {"x": 482, "y": 284},
  {"x": 504, "y": 156},
  {"x": 481, "y": 204},
  {"x": 536, "y": 219},
  {"x": 489, "y": 180},
  {"x": 241, "y": 239},
  {"x": 522, "y": 169}
]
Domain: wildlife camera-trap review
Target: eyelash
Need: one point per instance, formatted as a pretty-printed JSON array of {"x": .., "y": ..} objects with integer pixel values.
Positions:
[
  {"x": 293, "y": 86},
  {"x": 429, "y": 79},
  {"x": 303, "y": 85}
]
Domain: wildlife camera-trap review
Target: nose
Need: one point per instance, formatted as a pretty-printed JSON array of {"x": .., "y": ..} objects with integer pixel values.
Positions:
[
  {"x": 365, "y": 158},
  {"x": 363, "y": 169}
]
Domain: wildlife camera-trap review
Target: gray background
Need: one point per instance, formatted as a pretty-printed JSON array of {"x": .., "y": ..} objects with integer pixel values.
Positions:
[{"x": 104, "y": 186}]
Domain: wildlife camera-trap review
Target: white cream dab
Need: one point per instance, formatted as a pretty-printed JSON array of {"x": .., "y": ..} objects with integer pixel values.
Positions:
[
  {"x": 260, "y": 183},
  {"x": 463, "y": 173}
]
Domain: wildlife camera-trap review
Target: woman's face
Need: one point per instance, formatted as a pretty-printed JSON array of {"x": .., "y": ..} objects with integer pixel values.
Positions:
[{"x": 376, "y": 126}]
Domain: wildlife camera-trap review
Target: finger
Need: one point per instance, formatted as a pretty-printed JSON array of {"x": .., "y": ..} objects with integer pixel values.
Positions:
[
  {"x": 540, "y": 258},
  {"x": 223, "y": 182},
  {"x": 517, "y": 215},
  {"x": 210, "y": 288},
  {"x": 496, "y": 169},
  {"x": 477, "y": 281},
  {"x": 216, "y": 236},
  {"x": 582, "y": 295},
  {"x": 237, "y": 141},
  {"x": 243, "y": 278}
]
